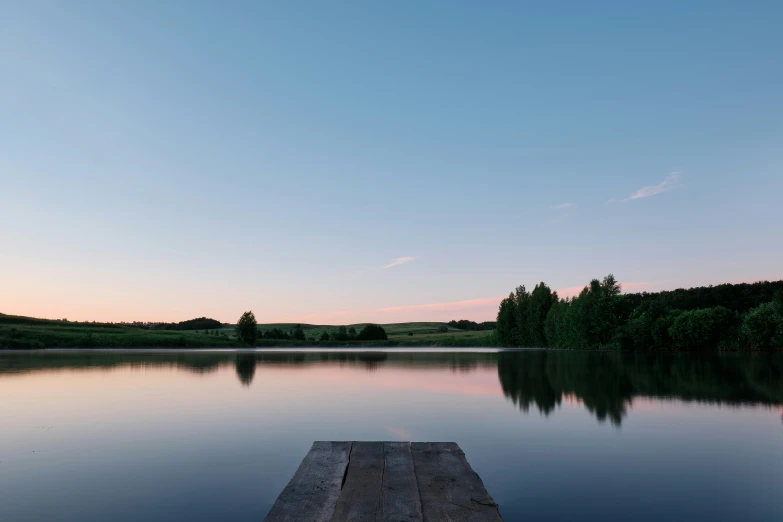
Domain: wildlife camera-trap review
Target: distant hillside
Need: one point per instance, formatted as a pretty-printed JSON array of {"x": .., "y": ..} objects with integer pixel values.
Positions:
[{"x": 17, "y": 332}]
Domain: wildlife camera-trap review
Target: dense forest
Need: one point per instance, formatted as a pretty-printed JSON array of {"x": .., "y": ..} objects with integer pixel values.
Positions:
[{"x": 723, "y": 317}]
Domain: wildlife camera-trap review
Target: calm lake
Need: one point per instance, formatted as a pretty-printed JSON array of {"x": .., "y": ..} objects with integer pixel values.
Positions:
[{"x": 206, "y": 436}]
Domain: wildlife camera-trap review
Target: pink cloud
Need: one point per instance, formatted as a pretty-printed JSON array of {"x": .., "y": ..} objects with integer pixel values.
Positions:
[
  {"x": 443, "y": 306},
  {"x": 482, "y": 309},
  {"x": 571, "y": 291},
  {"x": 636, "y": 286}
]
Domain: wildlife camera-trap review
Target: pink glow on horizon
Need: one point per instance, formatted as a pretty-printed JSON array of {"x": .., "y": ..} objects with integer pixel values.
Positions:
[
  {"x": 153, "y": 300},
  {"x": 454, "y": 304},
  {"x": 571, "y": 291},
  {"x": 481, "y": 309}
]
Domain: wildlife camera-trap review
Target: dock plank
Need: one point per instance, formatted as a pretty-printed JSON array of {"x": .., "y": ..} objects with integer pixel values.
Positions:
[
  {"x": 362, "y": 493},
  {"x": 448, "y": 486},
  {"x": 313, "y": 491},
  {"x": 401, "y": 499},
  {"x": 384, "y": 482}
]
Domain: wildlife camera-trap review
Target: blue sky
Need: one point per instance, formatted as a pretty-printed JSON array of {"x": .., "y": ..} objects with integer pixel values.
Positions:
[{"x": 164, "y": 160}]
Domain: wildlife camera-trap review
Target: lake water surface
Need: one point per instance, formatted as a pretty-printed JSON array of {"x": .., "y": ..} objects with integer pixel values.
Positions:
[{"x": 206, "y": 436}]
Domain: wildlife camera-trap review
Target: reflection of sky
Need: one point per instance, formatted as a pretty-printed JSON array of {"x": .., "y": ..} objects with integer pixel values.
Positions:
[{"x": 169, "y": 444}]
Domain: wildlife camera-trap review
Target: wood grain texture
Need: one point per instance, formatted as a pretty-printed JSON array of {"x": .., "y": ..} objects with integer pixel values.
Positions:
[
  {"x": 313, "y": 491},
  {"x": 362, "y": 493},
  {"x": 384, "y": 482},
  {"x": 449, "y": 488},
  {"x": 401, "y": 500}
]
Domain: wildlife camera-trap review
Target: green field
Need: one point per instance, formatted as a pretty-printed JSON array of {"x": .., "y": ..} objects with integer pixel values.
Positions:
[
  {"x": 18, "y": 332},
  {"x": 412, "y": 334},
  {"x": 28, "y": 333},
  {"x": 392, "y": 330}
]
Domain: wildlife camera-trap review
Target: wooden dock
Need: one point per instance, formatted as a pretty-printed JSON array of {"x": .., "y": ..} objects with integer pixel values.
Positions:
[{"x": 384, "y": 481}]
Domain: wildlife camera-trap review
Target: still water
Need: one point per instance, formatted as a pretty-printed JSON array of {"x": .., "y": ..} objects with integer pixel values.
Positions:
[{"x": 98, "y": 436}]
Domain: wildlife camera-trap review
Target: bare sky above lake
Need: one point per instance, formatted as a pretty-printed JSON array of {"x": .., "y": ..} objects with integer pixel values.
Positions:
[{"x": 340, "y": 163}]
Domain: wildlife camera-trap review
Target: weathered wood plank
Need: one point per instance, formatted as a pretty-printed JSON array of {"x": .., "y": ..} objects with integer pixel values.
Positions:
[
  {"x": 448, "y": 486},
  {"x": 312, "y": 493},
  {"x": 401, "y": 501},
  {"x": 362, "y": 494}
]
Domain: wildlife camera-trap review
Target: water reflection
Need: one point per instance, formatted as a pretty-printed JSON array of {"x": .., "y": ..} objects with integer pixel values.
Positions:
[
  {"x": 246, "y": 368},
  {"x": 605, "y": 383},
  {"x": 205, "y": 436}
]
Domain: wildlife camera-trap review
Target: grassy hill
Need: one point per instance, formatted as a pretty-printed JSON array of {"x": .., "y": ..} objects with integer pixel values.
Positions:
[
  {"x": 17, "y": 332},
  {"x": 400, "y": 334},
  {"x": 411, "y": 334}
]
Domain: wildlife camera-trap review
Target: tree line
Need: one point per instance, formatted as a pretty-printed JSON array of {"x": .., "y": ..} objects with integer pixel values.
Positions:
[
  {"x": 741, "y": 316},
  {"x": 472, "y": 326},
  {"x": 199, "y": 323},
  {"x": 248, "y": 332}
]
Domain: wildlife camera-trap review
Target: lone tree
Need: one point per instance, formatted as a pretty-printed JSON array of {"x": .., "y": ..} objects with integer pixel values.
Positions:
[
  {"x": 372, "y": 332},
  {"x": 246, "y": 328}
]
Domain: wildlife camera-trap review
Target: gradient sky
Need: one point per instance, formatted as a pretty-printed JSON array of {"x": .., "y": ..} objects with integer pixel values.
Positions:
[{"x": 341, "y": 162}]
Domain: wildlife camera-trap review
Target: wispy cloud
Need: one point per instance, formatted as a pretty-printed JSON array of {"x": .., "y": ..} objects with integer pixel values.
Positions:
[
  {"x": 561, "y": 206},
  {"x": 652, "y": 190},
  {"x": 399, "y": 261}
]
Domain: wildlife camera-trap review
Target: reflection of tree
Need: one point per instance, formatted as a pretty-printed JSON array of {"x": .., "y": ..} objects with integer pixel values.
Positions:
[
  {"x": 606, "y": 382},
  {"x": 246, "y": 368},
  {"x": 524, "y": 380},
  {"x": 370, "y": 360},
  {"x": 201, "y": 362}
]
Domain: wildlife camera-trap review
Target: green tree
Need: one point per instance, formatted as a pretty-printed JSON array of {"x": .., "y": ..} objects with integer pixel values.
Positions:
[
  {"x": 275, "y": 333},
  {"x": 247, "y": 328},
  {"x": 521, "y": 334},
  {"x": 372, "y": 332},
  {"x": 507, "y": 321},
  {"x": 611, "y": 286},
  {"x": 539, "y": 303},
  {"x": 341, "y": 334},
  {"x": 298, "y": 334},
  {"x": 762, "y": 327},
  {"x": 702, "y": 329},
  {"x": 552, "y": 322},
  {"x": 324, "y": 337}
]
